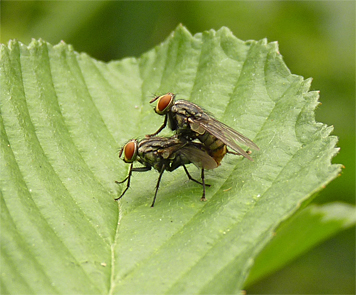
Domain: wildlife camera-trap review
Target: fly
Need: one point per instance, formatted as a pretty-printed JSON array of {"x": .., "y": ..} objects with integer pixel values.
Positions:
[
  {"x": 165, "y": 154},
  {"x": 191, "y": 122}
]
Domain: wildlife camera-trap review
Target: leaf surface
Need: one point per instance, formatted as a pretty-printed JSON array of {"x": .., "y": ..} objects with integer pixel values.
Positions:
[{"x": 63, "y": 118}]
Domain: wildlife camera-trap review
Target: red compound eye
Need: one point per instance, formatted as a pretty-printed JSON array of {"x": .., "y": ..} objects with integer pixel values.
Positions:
[
  {"x": 130, "y": 151},
  {"x": 163, "y": 102}
]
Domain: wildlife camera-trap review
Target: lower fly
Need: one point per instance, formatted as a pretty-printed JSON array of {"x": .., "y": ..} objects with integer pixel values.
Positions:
[{"x": 165, "y": 154}]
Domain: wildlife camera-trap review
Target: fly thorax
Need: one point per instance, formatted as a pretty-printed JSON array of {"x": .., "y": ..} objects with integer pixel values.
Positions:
[
  {"x": 182, "y": 122},
  {"x": 195, "y": 126},
  {"x": 164, "y": 154},
  {"x": 150, "y": 157},
  {"x": 158, "y": 166}
]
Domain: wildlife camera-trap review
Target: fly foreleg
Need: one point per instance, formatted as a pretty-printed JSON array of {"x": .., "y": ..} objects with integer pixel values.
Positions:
[
  {"x": 160, "y": 128},
  {"x": 128, "y": 178}
]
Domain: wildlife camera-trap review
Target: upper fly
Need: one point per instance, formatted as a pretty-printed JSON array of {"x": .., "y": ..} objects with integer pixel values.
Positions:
[{"x": 191, "y": 122}]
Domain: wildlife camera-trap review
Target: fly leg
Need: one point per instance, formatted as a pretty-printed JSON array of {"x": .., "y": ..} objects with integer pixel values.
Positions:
[
  {"x": 160, "y": 128},
  {"x": 157, "y": 185},
  {"x": 237, "y": 153},
  {"x": 128, "y": 178},
  {"x": 191, "y": 178},
  {"x": 203, "y": 180}
]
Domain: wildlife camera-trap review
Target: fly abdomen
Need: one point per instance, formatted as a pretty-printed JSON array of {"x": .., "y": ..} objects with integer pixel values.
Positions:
[
  {"x": 214, "y": 146},
  {"x": 218, "y": 154},
  {"x": 210, "y": 141}
]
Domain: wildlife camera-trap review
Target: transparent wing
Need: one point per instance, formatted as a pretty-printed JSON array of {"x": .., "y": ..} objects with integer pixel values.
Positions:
[
  {"x": 226, "y": 134},
  {"x": 198, "y": 157}
]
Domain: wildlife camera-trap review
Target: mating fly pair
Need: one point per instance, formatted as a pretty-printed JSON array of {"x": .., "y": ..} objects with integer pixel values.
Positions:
[{"x": 191, "y": 123}]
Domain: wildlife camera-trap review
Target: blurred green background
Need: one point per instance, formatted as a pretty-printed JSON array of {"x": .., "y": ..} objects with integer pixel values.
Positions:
[{"x": 316, "y": 39}]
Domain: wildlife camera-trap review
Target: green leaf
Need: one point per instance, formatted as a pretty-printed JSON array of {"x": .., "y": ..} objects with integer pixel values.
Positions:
[
  {"x": 64, "y": 116},
  {"x": 300, "y": 233}
]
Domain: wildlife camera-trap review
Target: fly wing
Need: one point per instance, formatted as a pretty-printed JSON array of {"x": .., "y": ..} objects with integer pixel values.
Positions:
[
  {"x": 198, "y": 157},
  {"x": 167, "y": 151},
  {"x": 226, "y": 134}
]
